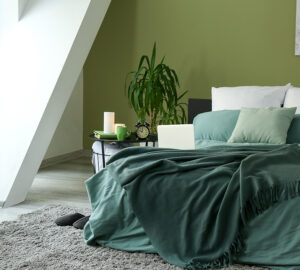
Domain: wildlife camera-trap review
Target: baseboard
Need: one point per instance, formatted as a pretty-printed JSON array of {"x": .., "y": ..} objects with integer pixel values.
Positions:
[
  {"x": 62, "y": 158},
  {"x": 87, "y": 153}
]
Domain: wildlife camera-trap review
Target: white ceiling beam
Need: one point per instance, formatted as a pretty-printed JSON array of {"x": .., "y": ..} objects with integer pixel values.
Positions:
[
  {"x": 21, "y": 8},
  {"x": 41, "y": 60}
]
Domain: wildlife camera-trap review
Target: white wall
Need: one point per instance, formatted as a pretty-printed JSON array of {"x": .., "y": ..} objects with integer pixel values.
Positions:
[
  {"x": 69, "y": 132},
  {"x": 9, "y": 12},
  {"x": 41, "y": 59},
  {"x": 297, "y": 50}
]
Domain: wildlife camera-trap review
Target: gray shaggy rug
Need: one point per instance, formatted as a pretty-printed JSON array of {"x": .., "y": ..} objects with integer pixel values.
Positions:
[{"x": 35, "y": 242}]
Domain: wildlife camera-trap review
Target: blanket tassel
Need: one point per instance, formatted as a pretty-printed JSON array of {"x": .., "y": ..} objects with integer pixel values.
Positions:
[{"x": 259, "y": 203}]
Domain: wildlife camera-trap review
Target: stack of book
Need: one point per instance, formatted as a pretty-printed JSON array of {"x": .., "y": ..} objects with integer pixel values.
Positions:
[{"x": 101, "y": 135}]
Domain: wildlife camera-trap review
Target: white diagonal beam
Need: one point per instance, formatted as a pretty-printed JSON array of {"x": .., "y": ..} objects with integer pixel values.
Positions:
[{"x": 40, "y": 62}]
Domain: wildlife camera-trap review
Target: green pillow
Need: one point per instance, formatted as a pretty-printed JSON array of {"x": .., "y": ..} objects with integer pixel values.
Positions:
[
  {"x": 263, "y": 125},
  {"x": 216, "y": 125}
]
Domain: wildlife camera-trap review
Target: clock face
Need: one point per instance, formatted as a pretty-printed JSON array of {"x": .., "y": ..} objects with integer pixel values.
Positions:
[{"x": 142, "y": 132}]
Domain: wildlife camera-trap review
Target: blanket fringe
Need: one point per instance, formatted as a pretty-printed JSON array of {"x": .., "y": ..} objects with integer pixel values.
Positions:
[
  {"x": 255, "y": 206},
  {"x": 264, "y": 199}
]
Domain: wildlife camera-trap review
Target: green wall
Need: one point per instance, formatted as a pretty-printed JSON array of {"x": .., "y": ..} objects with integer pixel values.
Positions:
[{"x": 208, "y": 42}]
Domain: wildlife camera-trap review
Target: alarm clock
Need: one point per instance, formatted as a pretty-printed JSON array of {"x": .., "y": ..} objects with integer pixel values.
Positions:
[{"x": 142, "y": 131}]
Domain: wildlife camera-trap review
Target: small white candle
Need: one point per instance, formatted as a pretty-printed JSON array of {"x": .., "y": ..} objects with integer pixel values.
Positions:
[
  {"x": 109, "y": 122},
  {"x": 118, "y": 125}
]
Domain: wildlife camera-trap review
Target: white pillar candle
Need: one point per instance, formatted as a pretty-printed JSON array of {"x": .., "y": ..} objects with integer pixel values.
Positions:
[
  {"x": 109, "y": 122},
  {"x": 118, "y": 125}
]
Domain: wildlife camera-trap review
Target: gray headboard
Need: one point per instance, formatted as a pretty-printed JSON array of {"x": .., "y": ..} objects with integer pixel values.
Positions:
[{"x": 196, "y": 106}]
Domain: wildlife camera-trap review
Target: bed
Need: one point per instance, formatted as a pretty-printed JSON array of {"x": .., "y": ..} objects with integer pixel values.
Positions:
[{"x": 206, "y": 208}]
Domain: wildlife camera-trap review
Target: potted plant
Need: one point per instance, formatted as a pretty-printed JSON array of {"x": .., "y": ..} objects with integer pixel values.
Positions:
[{"x": 152, "y": 93}]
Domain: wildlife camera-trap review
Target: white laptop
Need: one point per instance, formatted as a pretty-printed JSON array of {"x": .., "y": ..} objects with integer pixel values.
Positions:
[{"x": 176, "y": 136}]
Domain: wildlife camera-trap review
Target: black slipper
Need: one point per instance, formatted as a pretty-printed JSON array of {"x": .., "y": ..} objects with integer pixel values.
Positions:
[
  {"x": 68, "y": 220},
  {"x": 79, "y": 224}
]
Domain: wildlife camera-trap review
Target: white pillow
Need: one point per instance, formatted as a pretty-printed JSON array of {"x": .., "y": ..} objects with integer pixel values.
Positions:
[
  {"x": 234, "y": 98},
  {"x": 292, "y": 99}
]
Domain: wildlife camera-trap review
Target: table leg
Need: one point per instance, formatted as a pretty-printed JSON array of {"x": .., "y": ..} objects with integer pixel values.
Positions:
[
  {"x": 153, "y": 143},
  {"x": 146, "y": 143},
  {"x": 103, "y": 154},
  {"x": 96, "y": 156}
]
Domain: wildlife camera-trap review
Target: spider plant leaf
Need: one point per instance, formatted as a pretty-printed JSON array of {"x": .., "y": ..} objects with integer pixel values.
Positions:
[
  {"x": 153, "y": 57},
  {"x": 134, "y": 81},
  {"x": 175, "y": 76},
  {"x": 183, "y": 112},
  {"x": 143, "y": 58},
  {"x": 136, "y": 98},
  {"x": 182, "y": 95},
  {"x": 169, "y": 73}
]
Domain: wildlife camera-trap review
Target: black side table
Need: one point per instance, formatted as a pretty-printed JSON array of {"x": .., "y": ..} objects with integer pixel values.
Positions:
[{"x": 132, "y": 139}]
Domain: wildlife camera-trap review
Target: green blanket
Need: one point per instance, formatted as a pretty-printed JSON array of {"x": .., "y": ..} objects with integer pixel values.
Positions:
[{"x": 191, "y": 207}]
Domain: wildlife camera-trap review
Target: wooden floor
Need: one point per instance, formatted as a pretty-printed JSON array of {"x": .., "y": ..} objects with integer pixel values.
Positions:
[{"x": 58, "y": 184}]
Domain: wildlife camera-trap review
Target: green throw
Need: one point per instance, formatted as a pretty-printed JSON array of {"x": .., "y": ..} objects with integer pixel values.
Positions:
[{"x": 194, "y": 207}]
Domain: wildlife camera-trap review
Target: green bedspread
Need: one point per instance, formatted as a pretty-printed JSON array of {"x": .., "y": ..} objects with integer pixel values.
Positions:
[{"x": 194, "y": 207}]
